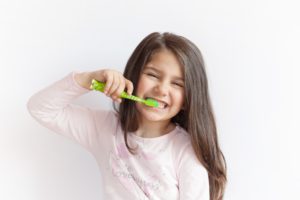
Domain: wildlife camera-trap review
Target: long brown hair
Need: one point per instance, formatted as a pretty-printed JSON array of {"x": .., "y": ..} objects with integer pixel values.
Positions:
[{"x": 197, "y": 116}]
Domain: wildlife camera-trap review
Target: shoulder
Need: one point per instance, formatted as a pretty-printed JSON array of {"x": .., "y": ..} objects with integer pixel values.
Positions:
[
  {"x": 184, "y": 155},
  {"x": 181, "y": 136},
  {"x": 181, "y": 142}
]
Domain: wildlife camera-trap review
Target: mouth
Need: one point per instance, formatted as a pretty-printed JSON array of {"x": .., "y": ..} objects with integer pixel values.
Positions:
[{"x": 161, "y": 104}]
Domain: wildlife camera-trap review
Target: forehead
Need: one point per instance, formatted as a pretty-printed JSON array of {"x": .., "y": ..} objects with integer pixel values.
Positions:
[{"x": 165, "y": 61}]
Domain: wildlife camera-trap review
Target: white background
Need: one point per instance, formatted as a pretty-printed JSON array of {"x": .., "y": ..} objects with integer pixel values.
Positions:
[{"x": 251, "y": 51}]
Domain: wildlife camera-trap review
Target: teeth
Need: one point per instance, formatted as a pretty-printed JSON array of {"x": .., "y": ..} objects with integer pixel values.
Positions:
[{"x": 161, "y": 105}]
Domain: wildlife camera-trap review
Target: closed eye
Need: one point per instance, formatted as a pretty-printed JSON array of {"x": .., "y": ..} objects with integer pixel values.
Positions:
[
  {"x": 152, "y": 75},
  {"x": 178, "y": 84}
]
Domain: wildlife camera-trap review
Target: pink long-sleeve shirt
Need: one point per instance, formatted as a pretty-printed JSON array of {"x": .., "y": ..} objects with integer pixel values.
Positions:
[{"x": 164, "y": 168}]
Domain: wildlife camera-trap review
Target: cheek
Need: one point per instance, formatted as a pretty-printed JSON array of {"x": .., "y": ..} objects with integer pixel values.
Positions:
[
  {"x": 179, "y": 97},
  {"x": 142, "y": 86}
]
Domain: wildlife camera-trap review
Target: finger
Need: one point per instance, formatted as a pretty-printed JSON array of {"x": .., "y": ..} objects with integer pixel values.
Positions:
[
  {"x": 114, "y": 87},
  {"x": 129, "y": 86},
  {"x": 120, "y": 88},
  {"x": 108, "y": 83}
]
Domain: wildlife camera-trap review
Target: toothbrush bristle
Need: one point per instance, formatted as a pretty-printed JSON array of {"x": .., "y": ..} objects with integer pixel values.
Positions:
[{"x": 151, "y": 102}]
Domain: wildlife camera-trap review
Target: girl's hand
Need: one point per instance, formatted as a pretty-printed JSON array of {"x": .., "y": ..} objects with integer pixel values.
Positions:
[
  {"x": 114, "y": 80},
  {"x": 115, "y": 83}
]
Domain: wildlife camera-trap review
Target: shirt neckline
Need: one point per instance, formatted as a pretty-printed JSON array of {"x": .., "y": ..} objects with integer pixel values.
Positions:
[{"x": 153, "y": 139}]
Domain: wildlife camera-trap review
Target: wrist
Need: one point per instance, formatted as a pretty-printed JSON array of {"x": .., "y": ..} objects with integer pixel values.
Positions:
[{"x": 83, "y": 79}]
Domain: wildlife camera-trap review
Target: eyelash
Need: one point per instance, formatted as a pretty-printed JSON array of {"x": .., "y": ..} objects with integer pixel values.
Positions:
[
  {"x": 153, "y": 75},
  {"x": 178, "y": 84}
]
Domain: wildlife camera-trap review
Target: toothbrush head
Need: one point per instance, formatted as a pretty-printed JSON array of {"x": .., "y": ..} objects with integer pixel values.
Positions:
[{"x": 151, "y": 102}]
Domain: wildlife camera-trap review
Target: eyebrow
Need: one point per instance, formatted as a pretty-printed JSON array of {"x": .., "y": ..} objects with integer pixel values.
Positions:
[{"x": 157, "y": 70}]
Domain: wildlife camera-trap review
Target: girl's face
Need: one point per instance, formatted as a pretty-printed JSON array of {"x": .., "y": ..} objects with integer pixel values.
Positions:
[{"x": 161, "y": 79}]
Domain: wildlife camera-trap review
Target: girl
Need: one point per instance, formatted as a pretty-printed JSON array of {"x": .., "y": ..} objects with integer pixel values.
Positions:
[{"x": 145, "y": 153}]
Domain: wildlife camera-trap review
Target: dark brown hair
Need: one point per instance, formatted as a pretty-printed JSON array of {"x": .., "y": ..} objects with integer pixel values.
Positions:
[{"x": 197, "y": 117}]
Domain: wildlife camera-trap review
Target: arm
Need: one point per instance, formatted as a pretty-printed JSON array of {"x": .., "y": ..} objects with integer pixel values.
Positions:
[{"x": 52, "y": 108}]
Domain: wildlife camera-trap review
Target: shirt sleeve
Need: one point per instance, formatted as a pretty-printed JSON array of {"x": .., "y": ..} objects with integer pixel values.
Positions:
[
  {"x": 192, "y": 177},
  {"x": 52, "y": 108}
]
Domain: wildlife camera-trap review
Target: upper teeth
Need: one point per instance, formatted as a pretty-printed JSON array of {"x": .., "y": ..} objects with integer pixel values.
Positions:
[{"x": 161, "y": 104}]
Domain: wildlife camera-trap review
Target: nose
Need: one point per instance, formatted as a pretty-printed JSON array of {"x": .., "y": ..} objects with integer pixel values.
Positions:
[{"x": 161, "y": 89}]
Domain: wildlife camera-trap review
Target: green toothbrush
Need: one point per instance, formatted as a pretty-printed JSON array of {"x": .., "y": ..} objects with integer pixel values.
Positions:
[{"x": 99, "y": 86}]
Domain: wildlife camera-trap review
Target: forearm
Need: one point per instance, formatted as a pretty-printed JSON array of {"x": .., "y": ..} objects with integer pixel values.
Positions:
[{"x": 53, "y": 99}]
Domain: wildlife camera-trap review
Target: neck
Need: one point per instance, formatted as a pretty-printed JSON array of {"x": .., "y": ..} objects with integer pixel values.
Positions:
[{"x": 150, "y": 129}]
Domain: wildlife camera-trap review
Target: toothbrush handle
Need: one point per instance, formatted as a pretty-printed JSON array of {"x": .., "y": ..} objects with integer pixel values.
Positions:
[
  {"x": 96, "y": 85},
  {"x": 131, "y": 97}
]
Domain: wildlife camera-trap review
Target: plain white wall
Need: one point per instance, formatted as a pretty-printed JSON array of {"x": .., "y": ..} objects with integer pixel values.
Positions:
[{"x": 251, "y": 52}]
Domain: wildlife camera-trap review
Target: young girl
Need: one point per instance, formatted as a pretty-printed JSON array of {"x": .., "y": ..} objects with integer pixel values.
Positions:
[{"x": 145, "y": 153}]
